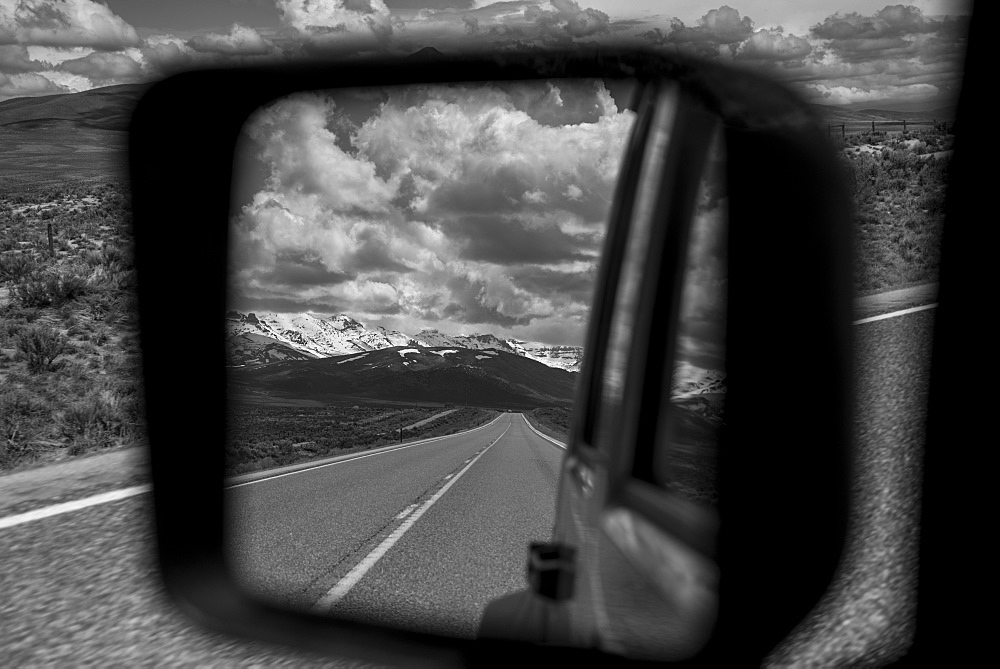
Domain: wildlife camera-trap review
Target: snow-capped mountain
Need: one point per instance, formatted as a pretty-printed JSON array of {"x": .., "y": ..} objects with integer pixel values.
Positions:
[
  {"x": 473, "y": 341},
  {"x": 258, "y": 338},
  {"x": 563, "y": 357},
  {"x": 278, "y": 336},
  {"x": 319, "y": 337}
]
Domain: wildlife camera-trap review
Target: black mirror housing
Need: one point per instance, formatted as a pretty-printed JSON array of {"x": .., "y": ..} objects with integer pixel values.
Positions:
[{"x": 779, "y": 542}]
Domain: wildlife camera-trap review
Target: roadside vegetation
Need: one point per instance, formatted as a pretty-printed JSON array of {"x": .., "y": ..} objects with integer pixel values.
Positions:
[
  {"x": 553, "y": 421},
  {"x": 898, "y": 184},
  {"x": 70, "y": 380},
  {"x": 262, "y": 437}
]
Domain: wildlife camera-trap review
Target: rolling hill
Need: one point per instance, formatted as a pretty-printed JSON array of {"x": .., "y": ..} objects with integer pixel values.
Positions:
[{"x": 417, "y": 374}]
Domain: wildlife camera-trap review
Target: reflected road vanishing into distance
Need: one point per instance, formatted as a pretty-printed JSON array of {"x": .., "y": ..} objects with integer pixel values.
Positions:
[{"x": 420, "y": 536}]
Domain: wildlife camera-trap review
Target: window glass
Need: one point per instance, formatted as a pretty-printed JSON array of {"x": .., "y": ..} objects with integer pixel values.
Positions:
[
  {"x": 685, "y": 450},
  {"x": 633, "y": 264}
]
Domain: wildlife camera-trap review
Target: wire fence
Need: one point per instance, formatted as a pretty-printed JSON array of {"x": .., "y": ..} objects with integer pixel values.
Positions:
[{"x": 883, "y": 127}]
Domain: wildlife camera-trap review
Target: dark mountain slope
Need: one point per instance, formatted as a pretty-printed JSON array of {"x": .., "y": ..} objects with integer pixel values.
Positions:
[{"x": 413, "y": 374}]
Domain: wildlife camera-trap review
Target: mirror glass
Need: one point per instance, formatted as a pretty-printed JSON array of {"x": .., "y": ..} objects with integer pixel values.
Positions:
[{"x": 411, "y": 272}]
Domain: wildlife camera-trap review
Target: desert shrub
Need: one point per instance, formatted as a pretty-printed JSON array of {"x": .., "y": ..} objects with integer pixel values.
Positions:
[
  {"x": 116, "y": 258},
  {"x": 43, "y": 288},
  {"x": 91, "y": 258},
  {"x": 13, "y": 316},
  {"x": 100, "y": 335},
  {"x": 97, "y": 420},
  {"x": 32, "y": 290},
  {"x": 15, "y": 444},
  {"x": 18, "y": 402},
  {"x": 15, "y": 266},
  {"x": 39, "y": 346}
]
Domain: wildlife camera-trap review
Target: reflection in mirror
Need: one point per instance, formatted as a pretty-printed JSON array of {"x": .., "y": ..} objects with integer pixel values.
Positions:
[
  {"x": 633, "y": 264},
  {"x": 655, "y": 593},
  {"x": 410, "y": 275},
  {"x": 685, "y": 452},
  {"x": 674, "y": 557}
]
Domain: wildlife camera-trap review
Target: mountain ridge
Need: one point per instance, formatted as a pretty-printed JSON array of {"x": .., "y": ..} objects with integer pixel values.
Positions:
[{"x": 307, "y": 335}]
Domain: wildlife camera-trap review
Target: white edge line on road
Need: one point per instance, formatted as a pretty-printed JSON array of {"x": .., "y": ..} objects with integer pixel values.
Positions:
[
  {"x": 359, "y": 456},
  {"x": 894, "y": 314},
  {"x": 74, "y": 505},
  {"x": 543, "y": 436},
  {"x": 123, "y": 493},
  {"x": 344, "y": 585}
]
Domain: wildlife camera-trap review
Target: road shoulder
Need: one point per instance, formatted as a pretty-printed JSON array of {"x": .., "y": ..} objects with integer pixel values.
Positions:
[{"x": 73, "y": 479}]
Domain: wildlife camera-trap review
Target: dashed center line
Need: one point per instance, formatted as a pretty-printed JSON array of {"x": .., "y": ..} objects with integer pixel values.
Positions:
[
  {"x": 344, "y": 585},
  {"x": 405, "y": 512}
]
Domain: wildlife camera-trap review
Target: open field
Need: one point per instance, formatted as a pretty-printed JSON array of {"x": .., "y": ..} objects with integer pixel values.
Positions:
[
  {"x": 262, "y": 438},
  {"x": 70, "y": 379}
]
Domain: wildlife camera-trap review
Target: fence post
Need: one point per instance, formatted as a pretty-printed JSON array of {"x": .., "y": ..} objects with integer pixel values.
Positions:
[
  {"x": 52, "y": 250},
  {"x": 873, "y": 127},
  {"x": 843, "y": 131},
  {"x": 904, "y": 125}
]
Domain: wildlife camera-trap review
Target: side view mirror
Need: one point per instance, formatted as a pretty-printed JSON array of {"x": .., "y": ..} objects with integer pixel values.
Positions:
[{"x": 692, "y": 493}]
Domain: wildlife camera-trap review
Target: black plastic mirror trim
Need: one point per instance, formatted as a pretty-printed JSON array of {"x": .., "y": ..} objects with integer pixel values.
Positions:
[{"x": 181, "y": 147}]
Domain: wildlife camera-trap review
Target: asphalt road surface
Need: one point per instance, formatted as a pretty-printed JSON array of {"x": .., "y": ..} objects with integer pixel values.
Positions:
[
  {"x": 420, "y": 537},
  {"x": 80, "y": 587}
]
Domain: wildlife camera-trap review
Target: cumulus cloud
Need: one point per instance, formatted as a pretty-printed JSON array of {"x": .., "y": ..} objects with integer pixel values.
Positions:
[
  {"x": 567, "y": 19},
  {"x": 104, "y": 69},
  {"x": 444, "y": 202},
  {"x": 239, "y": 40},
  {"x": 164, "y": 54},
  {"x": 774, "y": 46},
  {"x": 338, "y": 22},
  {"x": 718, "y": 28},
  {"x": 28, "y": 84},
  {"x": 15, "y": 58},
  {"x": 895, "y": 30},
  {"x": 67, "y": 23}
]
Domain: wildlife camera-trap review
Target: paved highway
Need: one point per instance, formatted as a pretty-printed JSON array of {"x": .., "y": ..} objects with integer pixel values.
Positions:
[
  {"x": 80, "y": 587},
  {"x": 421, "y": 536}
]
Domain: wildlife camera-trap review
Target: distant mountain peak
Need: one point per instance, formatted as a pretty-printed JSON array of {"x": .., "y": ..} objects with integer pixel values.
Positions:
[
  {"x": 427, "y": 53},
  {"x": 345, "y": 322}
]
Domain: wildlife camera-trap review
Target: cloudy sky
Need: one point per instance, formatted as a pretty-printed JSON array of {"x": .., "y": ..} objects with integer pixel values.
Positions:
[
  {"x": 462, "y": 208},
  {"x": 833, "y": 51},
  {"x": 467, "y": 209}
]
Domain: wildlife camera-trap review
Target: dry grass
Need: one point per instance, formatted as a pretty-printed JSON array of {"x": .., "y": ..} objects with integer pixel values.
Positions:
[{"x": 69, "y": 369}]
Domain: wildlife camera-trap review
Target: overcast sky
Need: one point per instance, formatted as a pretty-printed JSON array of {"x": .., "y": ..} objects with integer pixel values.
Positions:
[{"x": 463, "y": 209}]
